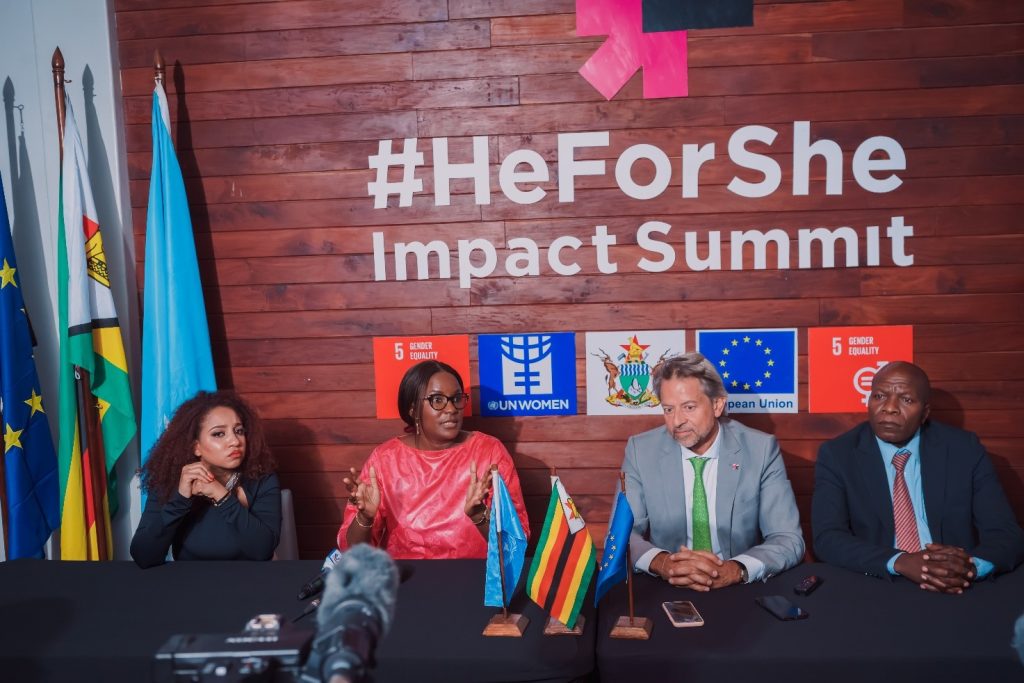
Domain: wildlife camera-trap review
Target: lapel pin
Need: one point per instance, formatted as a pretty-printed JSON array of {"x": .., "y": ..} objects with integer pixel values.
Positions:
[{"x": 735, "y": 465}]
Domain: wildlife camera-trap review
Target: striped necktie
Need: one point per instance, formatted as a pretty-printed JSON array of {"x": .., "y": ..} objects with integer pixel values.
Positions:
[
  {"x": 907, "y": 538},
  {"x": 701, "y": 520}
]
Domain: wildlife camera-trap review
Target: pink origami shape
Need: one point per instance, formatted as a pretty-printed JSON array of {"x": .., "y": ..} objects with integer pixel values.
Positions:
[{"x": 662, "y": 55}]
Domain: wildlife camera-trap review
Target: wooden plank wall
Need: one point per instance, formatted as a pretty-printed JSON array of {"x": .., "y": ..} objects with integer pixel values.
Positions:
[{"x": 277, "y": 105}]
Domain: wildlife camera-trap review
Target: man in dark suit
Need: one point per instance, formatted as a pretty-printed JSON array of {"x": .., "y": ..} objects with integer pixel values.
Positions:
[{"x": 901, "y": 495}]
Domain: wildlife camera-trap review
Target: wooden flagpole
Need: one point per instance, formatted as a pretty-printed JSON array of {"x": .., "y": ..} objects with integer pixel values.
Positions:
[
  {"x": 57, "y": 63},
  {"x": 630, "y": 627},
  {"x": 505, "y": 624},
  {"x": 158, "y": 67}
]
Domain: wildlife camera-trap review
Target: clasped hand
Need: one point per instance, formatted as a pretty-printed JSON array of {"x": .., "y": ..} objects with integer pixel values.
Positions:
[
  {"x": 197, "y": 480},
  {"x": 699, "y": 570},
  {"x": 938, "y": 568}
]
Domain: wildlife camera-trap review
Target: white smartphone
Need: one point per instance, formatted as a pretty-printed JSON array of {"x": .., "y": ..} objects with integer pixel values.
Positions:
[{"x": 682, "y": 613}]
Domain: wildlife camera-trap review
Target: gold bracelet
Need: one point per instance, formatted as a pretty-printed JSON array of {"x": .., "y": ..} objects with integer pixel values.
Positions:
[
  {"x": 365, "y": 526},
  {"x": 483, "y": 518}
]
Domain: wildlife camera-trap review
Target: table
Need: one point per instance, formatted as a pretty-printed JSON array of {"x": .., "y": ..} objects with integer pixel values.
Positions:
[
  {"x": 860, "y": 629},
  {"x": 103, "y": 622},
  {"x": 77, "y": 621}
]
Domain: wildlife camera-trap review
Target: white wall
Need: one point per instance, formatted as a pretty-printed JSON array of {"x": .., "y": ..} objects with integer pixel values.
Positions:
[{"x": 83, "y": 29}]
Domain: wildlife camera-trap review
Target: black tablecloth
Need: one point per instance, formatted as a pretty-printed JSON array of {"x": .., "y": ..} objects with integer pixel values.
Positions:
[
  {"x": 860, "y": 628},
  {"x": 437, "y": 633},
  {"x": 71, "y": 621},
  {"x": 74, "y": 621}
]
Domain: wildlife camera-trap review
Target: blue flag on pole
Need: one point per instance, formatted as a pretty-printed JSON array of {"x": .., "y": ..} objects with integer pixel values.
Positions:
[
  {"x": 612, "y": 569},
  {"x": 29, "y": 463},
  {"x": 176, "y": 358},
  {"x": 504, "y": 521}
]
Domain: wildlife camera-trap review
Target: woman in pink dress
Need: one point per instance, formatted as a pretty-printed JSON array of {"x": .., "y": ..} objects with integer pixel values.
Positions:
[{"x": 425, "y": 494}]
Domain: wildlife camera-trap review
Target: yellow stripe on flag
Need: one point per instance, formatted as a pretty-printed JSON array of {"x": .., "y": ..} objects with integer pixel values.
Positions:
[
  {"x": 547, "y": 553},
  {"x": 586, "y": 558},
  {"x": 73, "y": 542},
  {"x": 106, "y": 341}
]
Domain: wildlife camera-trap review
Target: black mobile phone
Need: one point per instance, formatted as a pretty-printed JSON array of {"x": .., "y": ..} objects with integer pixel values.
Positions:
[
  {"x": 808, "y": 585},
  {"x": 781, "y": 607}
]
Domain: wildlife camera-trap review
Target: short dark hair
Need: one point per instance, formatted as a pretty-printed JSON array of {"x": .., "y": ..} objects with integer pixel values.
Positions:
[
  {"x": 691, "y": 365},
  {"x": 415, "y": 381}
]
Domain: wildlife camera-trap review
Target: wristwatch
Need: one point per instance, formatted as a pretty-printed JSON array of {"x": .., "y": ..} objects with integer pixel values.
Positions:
[{"x": 744, "y": 577}]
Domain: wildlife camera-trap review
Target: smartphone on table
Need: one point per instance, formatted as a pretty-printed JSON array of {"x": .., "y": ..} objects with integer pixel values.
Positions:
[
  {"x": 682, "y": 613},
  {"x": 781, "y": 607}
]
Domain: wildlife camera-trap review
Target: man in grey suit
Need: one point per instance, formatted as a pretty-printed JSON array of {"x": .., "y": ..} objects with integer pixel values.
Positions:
[{"x": 711, "y": 502}]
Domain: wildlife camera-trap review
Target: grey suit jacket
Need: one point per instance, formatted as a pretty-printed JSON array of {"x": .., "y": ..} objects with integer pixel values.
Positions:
[{"x": 755, "y": 508}]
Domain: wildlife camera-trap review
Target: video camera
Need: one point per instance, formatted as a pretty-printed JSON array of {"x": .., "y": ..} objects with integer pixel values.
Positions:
[
  {"x": 355, "y": 613},
  {"x": 268, "y": 649}
]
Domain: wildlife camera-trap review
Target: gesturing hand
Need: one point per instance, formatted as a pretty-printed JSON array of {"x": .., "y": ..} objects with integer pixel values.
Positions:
[
  {"x": 364, "y": 495},
  {"x": 195, "y": 479},
  {"x": 477, "y": 491}
]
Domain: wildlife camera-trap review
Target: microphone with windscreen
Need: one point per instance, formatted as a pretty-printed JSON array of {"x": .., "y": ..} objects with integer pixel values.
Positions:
[{"x": 355, "y": 612}]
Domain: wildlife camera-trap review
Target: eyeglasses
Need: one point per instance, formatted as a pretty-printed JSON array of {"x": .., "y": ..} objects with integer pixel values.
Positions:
[{"x": 440, "y": 401}]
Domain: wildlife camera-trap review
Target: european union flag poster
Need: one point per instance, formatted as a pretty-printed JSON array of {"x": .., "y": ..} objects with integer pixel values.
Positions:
[{"x": 758, "y": 367}]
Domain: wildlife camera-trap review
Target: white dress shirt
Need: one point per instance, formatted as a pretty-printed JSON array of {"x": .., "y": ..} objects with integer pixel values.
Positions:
[{"x": 755, "y": 568}]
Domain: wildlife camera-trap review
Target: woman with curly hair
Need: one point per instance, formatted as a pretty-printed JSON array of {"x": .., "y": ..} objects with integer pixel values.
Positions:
[{"x": 212, "y": 491}]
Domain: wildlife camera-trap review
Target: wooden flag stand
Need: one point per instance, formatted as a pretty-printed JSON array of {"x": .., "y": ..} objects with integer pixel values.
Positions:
[
  {"x": 556, "y": 628},
  {"x": 631, "y": 627},
  {"x": 507, "y": 625},
  {"x": 504, "y": 624}
]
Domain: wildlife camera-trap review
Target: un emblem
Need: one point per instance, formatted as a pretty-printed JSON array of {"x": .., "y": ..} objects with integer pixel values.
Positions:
[
  {"x": 528, "y": 374},
  {"x": 526, "y": 364}
]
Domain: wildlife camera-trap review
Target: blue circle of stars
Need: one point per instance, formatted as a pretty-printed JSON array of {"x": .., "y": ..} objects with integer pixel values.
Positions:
[{"x": 747, "y": 379}]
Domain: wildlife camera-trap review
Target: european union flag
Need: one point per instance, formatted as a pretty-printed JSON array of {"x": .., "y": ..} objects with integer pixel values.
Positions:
[
  {"x": 752, "y": 361},
  {"x": 176, "y": 358},
  {"x": 504, "y": 521},
  {"x": 612, "y": 569},
  {"x": 30, "y": 463}
]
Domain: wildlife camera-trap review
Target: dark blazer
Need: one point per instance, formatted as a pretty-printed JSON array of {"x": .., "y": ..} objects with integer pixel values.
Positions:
[{"x": 851, "y": 511}]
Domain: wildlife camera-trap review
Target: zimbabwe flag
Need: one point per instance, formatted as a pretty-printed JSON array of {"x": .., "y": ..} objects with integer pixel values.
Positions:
[
  {"x": 93, "y": 368},
  {"x": 563, "y": 564}
]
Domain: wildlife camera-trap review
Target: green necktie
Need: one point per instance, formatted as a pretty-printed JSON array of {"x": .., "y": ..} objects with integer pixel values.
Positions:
[{"x": 701, "y": 521}]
